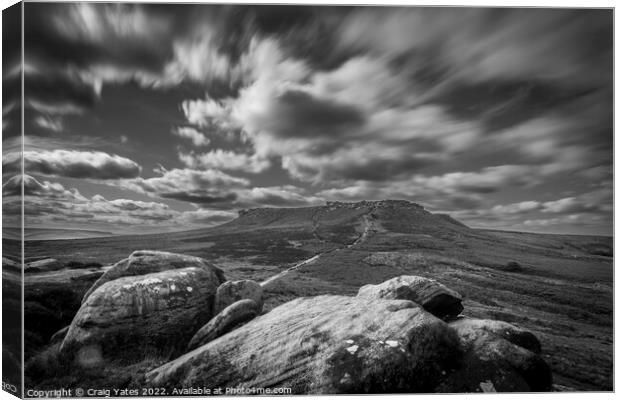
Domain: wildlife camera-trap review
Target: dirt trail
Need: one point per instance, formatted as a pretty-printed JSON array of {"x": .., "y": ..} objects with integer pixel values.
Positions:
[
  {"x": 310, "y": 260},
  {"x": 315, "y": 226},
  {"x": 369, "y": 227}
]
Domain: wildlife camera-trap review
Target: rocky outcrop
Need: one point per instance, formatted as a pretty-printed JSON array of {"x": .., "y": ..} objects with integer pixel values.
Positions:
[
  {"x": 374, "y": 203},
  {"x": 228, "y": 319},
  {"x": 144, "y": 262},
  {"x": 430, "y": 294},
  {"x": 324, "y": 344},
  {"x": 137, "y": 315},
  {"x": 470, "y": 329},
  {"x": 377, "y": 342},
  {"x": 498, "y": 357},
  {"x": 392, "y": 337},
  {"x": 233, "y": 291}
]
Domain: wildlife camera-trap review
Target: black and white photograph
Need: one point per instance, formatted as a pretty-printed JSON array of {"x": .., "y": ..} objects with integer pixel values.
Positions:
[{"x": 204, "y": 199}]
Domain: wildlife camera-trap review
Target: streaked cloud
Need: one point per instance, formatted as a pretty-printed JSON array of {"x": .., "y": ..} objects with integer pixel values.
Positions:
[
  {"x": 50, "y": 123},
  {"x": 498, "y": 115},
  {"x": 48, "y": 204},
  {"x": 197, "y": 138},
  {"x": 72, "y": 164},
  {"x": 190, "y": 185},
  {"x": 225, "y": 160}
]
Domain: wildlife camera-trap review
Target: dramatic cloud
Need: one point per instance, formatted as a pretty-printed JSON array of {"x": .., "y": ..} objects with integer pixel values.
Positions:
[
  {"x": 198, "y": 58},
  {"x": 50, "y": 203},
  {"x": 208, "y": 113},
  {"x": 280, "y": 196},
  {"x": 11, "y": 119},
  {"x": 189, "y": 185},
  {"x": 73, "y": 50},
  {"x": 488, "y": 180},
  {"x": 553, "y": 143},
  {"x": 65, "y": 141},
  {"x": 215, "y": 189},
  {"x": 73, "y": 164},
  {"x": 103, "y": 42},
  {"x": 57, "y": 92},
  {"x": 516, "y": 208},
  {"x": 53, "y": 124},
  {"x": 207, "y": 217},
  {"x": 335, "y": 126},
  {"x": 226, "y": 160},
  {"x": 297, "y": 113},
  {"x": 500, "y": 116},
  {"x": 197, "y": 138},
  {"x": 570, "y": 220},
  {"x": 201, "y": 196},
  {"x": 191, "y": 179},
  {"x": 481, "y": 44},
  {"x": 32, "y": 187},
  {"x": 587, "y": 210},
  {"x": 439, "y": 190},
  {"x": 597, "y": 201}
]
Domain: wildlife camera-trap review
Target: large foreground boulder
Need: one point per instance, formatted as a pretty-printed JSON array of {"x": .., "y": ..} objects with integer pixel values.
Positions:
[
  {"x": 233, "y": 291},
  {"x": 324, "y": 344},
  {"x": 229, "y": 318},
  {"x": 144, "y": 262},
  {"x": 139, "y": 315},
  {"x": 498, "y": 357},
  {"x": 430, "y": 294}
]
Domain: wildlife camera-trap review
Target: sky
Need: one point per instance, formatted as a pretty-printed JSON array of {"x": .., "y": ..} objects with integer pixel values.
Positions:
[{"x": 152, "y": 118}]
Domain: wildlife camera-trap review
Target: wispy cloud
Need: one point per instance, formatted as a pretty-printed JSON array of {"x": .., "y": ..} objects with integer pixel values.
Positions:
[
  {"x": 197, "y": 138},
  {"x": 72, "y": 163},
  {"x": 50, "y": 123},
  {"x": 50, "y": 204},
  {"x": 492, "y": 113}
]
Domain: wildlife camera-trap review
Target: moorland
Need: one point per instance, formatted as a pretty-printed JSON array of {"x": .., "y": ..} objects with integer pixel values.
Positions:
[{"x": 560, "y": 287}]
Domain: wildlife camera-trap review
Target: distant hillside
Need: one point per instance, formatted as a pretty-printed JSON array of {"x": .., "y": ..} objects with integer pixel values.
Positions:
[
  {"x": 52, "y": 233},
  {"x": 559, "y": 287},
  {"x": 448, "y": 218},
  {"x": 393, "y": 215}
]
